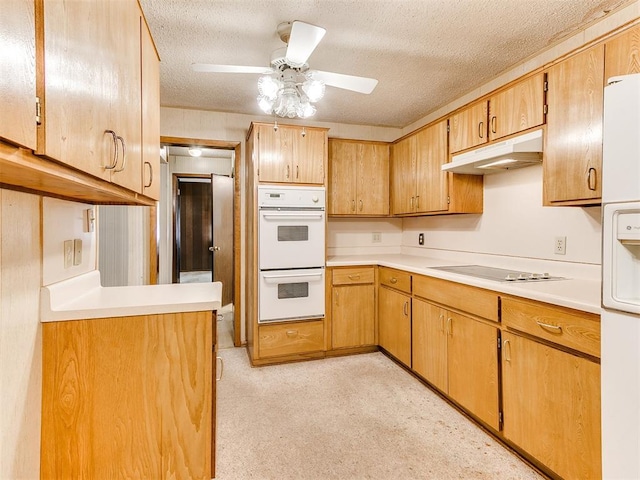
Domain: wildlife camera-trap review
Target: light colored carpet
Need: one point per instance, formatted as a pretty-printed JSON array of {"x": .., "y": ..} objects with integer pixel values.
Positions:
[
  {"x": 225, "y": 327},
  {"x": 356, "y": 417}
]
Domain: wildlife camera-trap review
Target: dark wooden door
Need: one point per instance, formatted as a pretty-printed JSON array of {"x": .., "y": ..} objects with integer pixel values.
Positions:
[
  {"x": 222, "y": 188},
  {"x": 195, "y": 226}
]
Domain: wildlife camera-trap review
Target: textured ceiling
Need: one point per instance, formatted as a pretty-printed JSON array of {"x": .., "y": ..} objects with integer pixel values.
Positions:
[{"x": 425, "y": 53}]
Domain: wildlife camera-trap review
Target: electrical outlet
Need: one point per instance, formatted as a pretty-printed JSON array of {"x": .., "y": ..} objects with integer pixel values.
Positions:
[
  {"x": 68, "y": 253},
  {"x": 421, "y": 239},
  {"x": 560, "y": 246},
  {"x": 376, "y": 237}
]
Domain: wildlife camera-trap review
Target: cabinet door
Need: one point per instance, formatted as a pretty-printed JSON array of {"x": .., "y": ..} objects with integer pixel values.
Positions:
[
  {"x": 275, "y": 152},
  {"x": 551, "y": 403},
  {"x": 353, "y": 316},
  {"x": 431, "y": 182},
  {"x": 343, "y": 165},
  {"x": 573, "y": 146},
  {"x": 622, "y": 54},
  {"x": 429, "y": 343},
  {"x": 308, "y": 155},
  {"x": 373, "y": 179},
  {"x": 125, "y": 83},
  {"x": 77, "y": 91},
  {"x": 18, "y": 73},
  {"x": 150, "y": 116},
  {"x": 402, "y": 176},
  {"x": 517, "y": 108},
  {"x": 472, "y": 352},
  {"x": 394, "y": 324},
  {"x": 468, "y": 128}
]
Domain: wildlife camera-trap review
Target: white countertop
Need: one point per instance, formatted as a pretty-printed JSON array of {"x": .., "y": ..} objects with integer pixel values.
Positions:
[
  {"x": 83, "y": 297},
  {"x": 578, "y": 293}
]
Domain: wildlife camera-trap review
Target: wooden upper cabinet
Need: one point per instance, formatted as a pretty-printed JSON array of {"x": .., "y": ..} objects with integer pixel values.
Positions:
[
  {"x": 343, "y": 168},
  {"x": 573, "y": 143},
  {"x": 418, "y": 184},
  {"x": 432, "y": 188},
  {"x": 622, "y": 54},
  {"x": 18, "y": 73},
  {"x": 517, "y": 108},
  {"x": 468, "y": 127},
  {"x": 358, "y": 178},
  {"x": 150, "y": 116},
  {"x": 92, "y": 99},
  {"x": 291, "y": 154},
  {"x": 403, "y": 180}
]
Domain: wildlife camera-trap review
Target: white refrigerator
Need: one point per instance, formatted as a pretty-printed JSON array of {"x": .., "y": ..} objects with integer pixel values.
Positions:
[{"x": 620, "y": 326}]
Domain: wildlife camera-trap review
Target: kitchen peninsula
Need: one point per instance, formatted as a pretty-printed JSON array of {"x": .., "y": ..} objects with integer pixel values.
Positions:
[{"x": 128, "y": 379}]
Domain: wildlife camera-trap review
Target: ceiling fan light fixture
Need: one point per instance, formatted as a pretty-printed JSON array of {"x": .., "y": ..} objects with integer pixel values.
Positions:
[
  {"x": 269, "y": 86},
  {"x": 265, "y": 104},
  {"x": 314, "y": 89}
]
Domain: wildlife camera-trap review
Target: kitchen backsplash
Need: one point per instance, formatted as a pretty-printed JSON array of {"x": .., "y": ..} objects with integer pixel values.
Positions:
[{"x": 514, "y": 224}]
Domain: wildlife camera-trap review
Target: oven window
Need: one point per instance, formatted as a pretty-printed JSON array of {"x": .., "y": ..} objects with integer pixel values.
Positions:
[
  {"x": 293, "y": 290},
  {"x": 293, "y": 233}
]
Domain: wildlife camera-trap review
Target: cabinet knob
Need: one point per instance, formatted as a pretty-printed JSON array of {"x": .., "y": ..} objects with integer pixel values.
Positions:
[
  {"x": 292, "y": 333},
  {"x": 393, "y": 280}
]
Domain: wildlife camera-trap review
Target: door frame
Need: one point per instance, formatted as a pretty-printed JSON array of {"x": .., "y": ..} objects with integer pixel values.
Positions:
[{"x": 237, "y": 148}]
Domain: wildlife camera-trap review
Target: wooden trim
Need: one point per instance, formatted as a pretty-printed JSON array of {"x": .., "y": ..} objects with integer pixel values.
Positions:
[
  {"x": 237, "y": 248},
  {"x": 187, "y": 142},
  {"x": 153, "y": 245},
  {"x": 21, "y": 170}
]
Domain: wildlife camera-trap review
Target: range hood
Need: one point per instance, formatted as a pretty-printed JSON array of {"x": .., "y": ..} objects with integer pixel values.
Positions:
[{"x": 516, "y": 152}]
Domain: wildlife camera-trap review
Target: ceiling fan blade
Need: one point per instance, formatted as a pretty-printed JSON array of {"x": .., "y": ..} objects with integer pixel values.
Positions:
[
  {"x": 347, "y": 82},
  {"x": 207, "y": 67},
  {"x": 303, "y": 41}
]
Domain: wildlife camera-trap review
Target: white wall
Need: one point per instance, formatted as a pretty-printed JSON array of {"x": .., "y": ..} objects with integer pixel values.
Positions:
[{"x": 355, "y": 236}]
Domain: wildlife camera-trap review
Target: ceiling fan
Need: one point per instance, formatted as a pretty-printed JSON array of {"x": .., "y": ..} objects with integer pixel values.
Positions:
[{"x": 288, "y": 88}]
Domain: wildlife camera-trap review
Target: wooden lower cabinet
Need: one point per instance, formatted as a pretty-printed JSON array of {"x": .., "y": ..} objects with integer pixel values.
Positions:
[
  {"x": 459, "y": 356},
  {"x": 551, "y": 406},
  {"x": 394, "y": 324},
  {"x": 353, "y": 308},
  {"x": 129, "y": 397}
]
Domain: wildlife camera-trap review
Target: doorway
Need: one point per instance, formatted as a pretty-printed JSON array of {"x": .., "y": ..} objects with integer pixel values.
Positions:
[
  {"x": 199, "y": 229},
  {"x": 203, "y": 245}
]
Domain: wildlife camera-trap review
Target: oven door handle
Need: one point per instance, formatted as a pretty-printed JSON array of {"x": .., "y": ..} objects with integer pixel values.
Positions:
[
  {"x": 293, "y": 275},
  {"x": 292, "y": 216}
]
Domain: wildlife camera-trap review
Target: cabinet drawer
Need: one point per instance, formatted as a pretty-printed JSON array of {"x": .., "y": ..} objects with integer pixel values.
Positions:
[
  {"x": 290, "y": 338},
  {"x": 395, "y": 279},
  {"x": 483, "y": 303},
  {"x": 570, "y": 328},
  {"x": 353, "y": 276}
]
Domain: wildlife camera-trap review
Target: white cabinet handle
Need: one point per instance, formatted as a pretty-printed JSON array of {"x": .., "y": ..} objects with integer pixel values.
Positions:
[
  {"x": 507, "y": 358},
  {"x": 221, "y": 369},
  {"x": 553, "y": 328}
]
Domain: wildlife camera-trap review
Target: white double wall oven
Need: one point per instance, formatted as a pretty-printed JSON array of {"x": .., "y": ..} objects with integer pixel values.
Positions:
[{"x": 291, "y": 253}]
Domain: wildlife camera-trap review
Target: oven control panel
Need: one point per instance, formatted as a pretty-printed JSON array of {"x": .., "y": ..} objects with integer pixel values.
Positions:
[{"x": 270, "y": 196}]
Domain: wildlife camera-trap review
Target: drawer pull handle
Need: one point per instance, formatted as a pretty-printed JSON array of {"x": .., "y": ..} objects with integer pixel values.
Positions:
[
  {"x": 442, "y": 323},
  {"x": 292, "y": 333},
  {"x": 361, "y": 205},
  {"x": 450, "y": 326},
  {"x": 354, "y": 277},
  {"x": 554, "y": 328},
  {"x": 592, "y": 179},
  {"x": 405, "y": 309},
  {"x": 393, "y": 280},
  {"x": 353, "y": 205}
]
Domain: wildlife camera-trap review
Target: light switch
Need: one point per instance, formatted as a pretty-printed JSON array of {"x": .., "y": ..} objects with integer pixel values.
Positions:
[
  {"x": 77, "y": 251},
  {"x": 68, "y": 253},
  {"x": 89, "y": 220}
]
